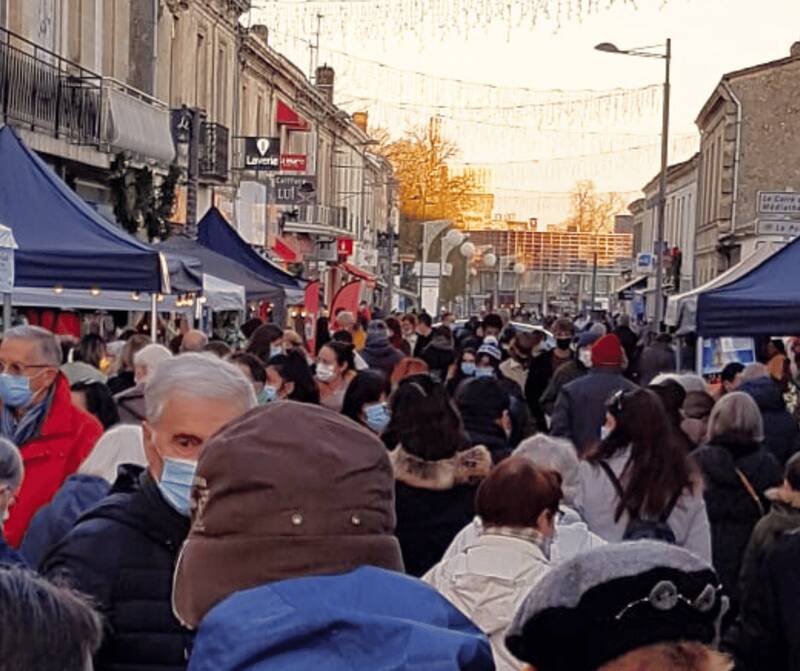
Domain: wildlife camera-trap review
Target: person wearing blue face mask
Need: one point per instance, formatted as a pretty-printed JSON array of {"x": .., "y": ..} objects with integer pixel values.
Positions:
[
  {"x": 125, "y": 549},
  {"x": 366, "y": 400},
  {"x": 463, "y": 370}
]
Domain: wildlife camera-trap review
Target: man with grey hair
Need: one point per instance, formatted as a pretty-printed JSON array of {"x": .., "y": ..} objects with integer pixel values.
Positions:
[
  {"x": 572, "y": 534},
  {"x": 37, "y": 415},
  {"x": 194, "y": 341},
  {"x": 130, "y": 403},
  {"x": 122, "y": 553}
]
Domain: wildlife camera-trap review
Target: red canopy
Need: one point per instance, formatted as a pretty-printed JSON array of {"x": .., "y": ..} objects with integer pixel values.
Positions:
[
  {"x": 360, "y": 273},
  {"x": 291, "y": 119},
  {"x": 284, "y": 252}
]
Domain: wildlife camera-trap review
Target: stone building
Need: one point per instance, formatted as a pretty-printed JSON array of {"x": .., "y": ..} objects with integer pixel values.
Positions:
[{"x": 748, "y": 127}]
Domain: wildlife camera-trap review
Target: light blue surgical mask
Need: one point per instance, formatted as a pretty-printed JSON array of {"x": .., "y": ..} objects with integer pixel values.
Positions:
[
  {"x": 267, "y": 395},
  {"x": 15, "y": 390},
  {"x": 275, "y": 350},
  {"x": 468, "y": 368},
  {"x": 176, "y": 484},
  {"x": 377, "y": 417},
  {"x": 484, "y": 372}
]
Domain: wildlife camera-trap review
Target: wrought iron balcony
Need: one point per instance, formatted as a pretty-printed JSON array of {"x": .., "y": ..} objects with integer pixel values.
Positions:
[
  {"x": 214, "y": 147},
  {"x": 47, "y": 93}
]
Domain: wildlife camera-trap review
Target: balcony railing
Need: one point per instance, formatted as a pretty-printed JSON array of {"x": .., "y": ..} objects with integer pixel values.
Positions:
[
  {"x": 324, "y": 215},
  {"x": 214, "y": 144},
  {"x": 45, "y": 92}
]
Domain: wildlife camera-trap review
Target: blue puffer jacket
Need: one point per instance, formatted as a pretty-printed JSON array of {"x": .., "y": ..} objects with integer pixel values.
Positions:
[
  {"x": 53, "y": 522},
  {"x": 366, "y": 619}
]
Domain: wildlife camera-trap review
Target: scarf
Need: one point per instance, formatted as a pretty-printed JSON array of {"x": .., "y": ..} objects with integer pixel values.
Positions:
[{"x": 28, "y": 426}]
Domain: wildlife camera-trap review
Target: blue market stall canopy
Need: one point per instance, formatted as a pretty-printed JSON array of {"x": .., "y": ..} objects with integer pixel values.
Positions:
[
  {"x": 764, "y": 301},
  {"x": 185, "y": 273},
  {"x": 227, "y": 269},
  {"x": 62, "y": 240},
  {"x": 218, "y": 235}
]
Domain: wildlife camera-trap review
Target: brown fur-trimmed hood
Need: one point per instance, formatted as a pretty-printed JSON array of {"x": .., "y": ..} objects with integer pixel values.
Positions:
[
  {"x": 464, "y": 468},
  {"x": 784, "y": 496}
]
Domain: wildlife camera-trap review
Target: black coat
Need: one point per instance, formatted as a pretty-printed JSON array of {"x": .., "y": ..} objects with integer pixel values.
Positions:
[
  {"x": 381, "y": 356},
  {"x": 732, "y": 511},
  {"x": 781, "y": 433},
  {"x": 767, "y": 633},
  {"x": 655, "y": 359},
  {"x": 542, "y": 369},
  {"x": 427, "y": 522},
  {"x": 122, "y": 554}
]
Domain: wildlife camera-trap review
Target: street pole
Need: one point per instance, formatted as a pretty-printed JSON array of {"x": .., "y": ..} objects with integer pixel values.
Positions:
[
  {"x": 594, "y": 282},
  {"x": 662, "y": 193},
  {"x": 390, "y": 279}
]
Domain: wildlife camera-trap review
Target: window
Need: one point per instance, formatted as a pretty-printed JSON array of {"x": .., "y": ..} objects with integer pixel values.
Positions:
[
  {"x": 201, "y": 71},
  {"x": 260, "y": 115},
  {"x": 222, "y": 85}
]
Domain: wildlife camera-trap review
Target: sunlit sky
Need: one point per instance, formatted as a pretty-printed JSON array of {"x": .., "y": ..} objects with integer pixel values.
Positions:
[{"x": 710, "y": 37}]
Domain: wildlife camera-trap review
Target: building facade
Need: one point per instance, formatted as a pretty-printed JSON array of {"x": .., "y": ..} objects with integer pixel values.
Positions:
[{"x": 748, "y": 127}]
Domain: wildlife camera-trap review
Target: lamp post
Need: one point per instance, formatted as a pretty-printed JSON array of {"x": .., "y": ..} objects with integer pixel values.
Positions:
[
  {"x": 452, "y": 239},
  {"x": 467, "y": 251},
  {"x": 489, "y": 261},
  {"x": 666, "y": 56},
  {"x": 519, "y": 271}
]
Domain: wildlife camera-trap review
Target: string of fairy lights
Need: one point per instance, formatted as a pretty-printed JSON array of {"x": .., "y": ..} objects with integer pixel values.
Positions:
[{"x": 535, "y": 143}]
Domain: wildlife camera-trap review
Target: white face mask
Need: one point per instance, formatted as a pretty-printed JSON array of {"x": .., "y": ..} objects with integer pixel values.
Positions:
[
  {"x": 325, "y": 372},
  {"x": 605, "y": 432},
  {"x": 585, "y": 357}
]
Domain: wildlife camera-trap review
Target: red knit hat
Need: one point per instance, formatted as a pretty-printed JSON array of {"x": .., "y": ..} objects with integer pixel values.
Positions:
[{"x": 607, "y": 352}]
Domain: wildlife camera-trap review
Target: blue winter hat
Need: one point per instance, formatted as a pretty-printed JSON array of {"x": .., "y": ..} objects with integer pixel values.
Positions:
[
  {"x": 615, "y": 599},
  {"x": 586, "y": 339},
  {"x": 491, "y": 347}
]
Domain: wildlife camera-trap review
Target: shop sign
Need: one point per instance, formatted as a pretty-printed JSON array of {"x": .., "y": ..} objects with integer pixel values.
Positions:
[
  {"x": 262, "y": 153},
  {"x": 293, "y": 162}
]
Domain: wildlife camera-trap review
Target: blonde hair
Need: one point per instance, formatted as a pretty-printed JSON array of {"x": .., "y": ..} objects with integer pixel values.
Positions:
[
  {"x": 736, "y": 415},
  {"x": 678, "y": 656}
]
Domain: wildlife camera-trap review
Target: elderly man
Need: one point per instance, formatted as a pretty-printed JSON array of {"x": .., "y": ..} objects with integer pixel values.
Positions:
[
  {"x": 122, "y": 553},
  {"x": 130, "y": 402},
  {"x": 37, "y": 414},
  {"x": 194, "y": 341}
]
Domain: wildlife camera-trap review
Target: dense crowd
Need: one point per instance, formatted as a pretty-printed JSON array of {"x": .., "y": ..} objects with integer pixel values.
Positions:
[{"x": 397, "y": 494}]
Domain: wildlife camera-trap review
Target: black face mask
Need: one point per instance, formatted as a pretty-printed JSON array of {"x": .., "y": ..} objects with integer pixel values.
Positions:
[{"x": 563, "y": 343}]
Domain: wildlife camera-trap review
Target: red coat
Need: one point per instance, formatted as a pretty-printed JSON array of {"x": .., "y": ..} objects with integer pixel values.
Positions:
[{"x": 65, "y": 440}]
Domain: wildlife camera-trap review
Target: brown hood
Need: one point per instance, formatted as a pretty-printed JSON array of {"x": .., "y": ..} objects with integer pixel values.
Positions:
[
  {"x": 287, "y": 490},
  {"x": 465, "y": 468}
]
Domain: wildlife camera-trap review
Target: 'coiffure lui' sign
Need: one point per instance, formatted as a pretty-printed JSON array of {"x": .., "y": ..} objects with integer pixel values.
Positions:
[{"x": 262, "y": 153}]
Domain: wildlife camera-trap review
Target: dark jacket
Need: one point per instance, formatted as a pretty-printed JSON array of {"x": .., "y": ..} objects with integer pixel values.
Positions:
[
  {"x": 580, "y": 410},
  {"x": 781, "y": 433},
  {"x": 732, "y": 511},
  {"x": 542, "y": 369},
  {"x": 53, "y": 522},
  {"x": 784, "y": 516},
  {"x": 434, "y": 501},
  {"x": 570, "y": 371},
  {"x": 421, "y": 344},
  {"x": 628, "y": 339},
  {"x": 8, "y": 555},
  {"x": 122, "y": 554},
  {"x": 767, "y": 634},
  {"x": 381, "y": 356},
  {"x": 130, "y": 404},
  {"x": 484, "y": 431},
  {"x": 655, "y": 359},
  {"x": 121, "y": 382}
]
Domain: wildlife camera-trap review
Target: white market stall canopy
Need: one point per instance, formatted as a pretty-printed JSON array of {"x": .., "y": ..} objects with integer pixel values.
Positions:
[{"x": 223, "y": 296}]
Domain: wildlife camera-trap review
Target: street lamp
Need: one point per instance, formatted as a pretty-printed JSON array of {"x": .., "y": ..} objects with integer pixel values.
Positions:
[
  {"x": 666, "y": 56},
  {"x": 467, "y": 251},
  {"x": 490, "y": 261},
  {"x": 519, "y": 271}
]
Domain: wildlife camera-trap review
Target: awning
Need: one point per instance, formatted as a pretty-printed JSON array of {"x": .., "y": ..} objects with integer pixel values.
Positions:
[
  {"x": 360, "y": 273},
  {"x": 140, "y": 127},
  {"x": 82, "y": 299},
  {"x": 223, "y": 296},
  {"x": 291, "y": 119},
  {"x": 625, "y": 292},
  {"x": 284, "y": 252}
]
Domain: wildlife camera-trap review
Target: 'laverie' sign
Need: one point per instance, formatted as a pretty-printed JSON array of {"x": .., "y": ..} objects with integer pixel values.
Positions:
[
  {"x": 780, "y": 203},
  {"x": 262, "y": 153}
]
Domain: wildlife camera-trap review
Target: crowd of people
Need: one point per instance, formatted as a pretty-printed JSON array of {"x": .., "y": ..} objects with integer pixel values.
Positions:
[{"x": 399, "y": 494}]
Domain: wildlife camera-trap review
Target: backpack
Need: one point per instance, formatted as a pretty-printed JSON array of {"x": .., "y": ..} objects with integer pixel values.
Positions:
[{"x": 644, "y": 530}]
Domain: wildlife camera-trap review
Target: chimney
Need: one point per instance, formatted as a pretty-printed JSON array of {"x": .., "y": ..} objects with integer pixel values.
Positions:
[
  {"x": 325, "y": 76},
  {"x": 361, "y": 119},
  {"x": 261, "y": 32},
  {"x": 794, "y": 52}
]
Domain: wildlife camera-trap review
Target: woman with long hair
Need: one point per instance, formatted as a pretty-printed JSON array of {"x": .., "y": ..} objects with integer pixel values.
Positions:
[
  {"x": 436, "y": 476},
  {"x": 639, "y": 482},
  {"x": 367, "y": 400},
  {"x": 289, "y": 378},
  {"x": 336, "y": 368},
  {"x": 396, "y": 338}
]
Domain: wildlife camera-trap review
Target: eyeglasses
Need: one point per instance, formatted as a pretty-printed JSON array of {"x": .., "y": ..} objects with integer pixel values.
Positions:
[{"x": 21, "y": 368}]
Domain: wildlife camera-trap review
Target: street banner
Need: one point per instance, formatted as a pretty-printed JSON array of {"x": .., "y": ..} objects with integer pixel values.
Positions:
[{"x": 347, "y": 298}]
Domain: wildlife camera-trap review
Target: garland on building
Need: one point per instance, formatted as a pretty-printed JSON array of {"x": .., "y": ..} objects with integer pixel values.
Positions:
[{"x": 141, "y": 207}]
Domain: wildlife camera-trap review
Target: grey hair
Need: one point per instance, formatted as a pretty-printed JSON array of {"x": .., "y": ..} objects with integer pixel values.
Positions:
[
  {"x": 46, "y": 342},
  {"x": 689, "y": 381},
  {"x": 151, "y": 356},
  {"x": 554, "y": 454},
  {"x": 754, "y": 371},
  {"x": 198, "y": 376},
  {"x": 736, "y": 414},
  {"x": 11, "y": 468}
]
